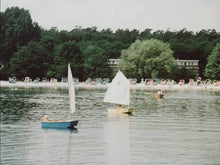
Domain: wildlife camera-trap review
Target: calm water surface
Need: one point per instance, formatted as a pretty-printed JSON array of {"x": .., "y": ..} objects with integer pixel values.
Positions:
[{"x": 181, "y": 128}]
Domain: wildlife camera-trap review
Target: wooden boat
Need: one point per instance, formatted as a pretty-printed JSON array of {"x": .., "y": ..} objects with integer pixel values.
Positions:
[
  {"x": 121, "y": 110},
  {"x": 119, "y": 93},
  {"x": 64, "y": 124},
  {"x": 159, "y": 96}
]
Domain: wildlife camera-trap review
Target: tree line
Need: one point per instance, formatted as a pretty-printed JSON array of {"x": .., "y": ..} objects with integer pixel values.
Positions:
[{"x": 27, "y": 49}]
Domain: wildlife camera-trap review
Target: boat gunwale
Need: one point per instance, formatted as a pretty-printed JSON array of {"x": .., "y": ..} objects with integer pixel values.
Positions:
[{"x": 59, "y": 121}]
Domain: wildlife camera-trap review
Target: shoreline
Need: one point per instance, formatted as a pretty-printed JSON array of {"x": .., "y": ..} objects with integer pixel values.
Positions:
[{"x": 99, "y": 86}]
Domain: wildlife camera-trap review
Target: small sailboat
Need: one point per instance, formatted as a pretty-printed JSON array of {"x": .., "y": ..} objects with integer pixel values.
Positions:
[
  {"x": 64, "y": 124},
  {"x": 119, "y": 93}
]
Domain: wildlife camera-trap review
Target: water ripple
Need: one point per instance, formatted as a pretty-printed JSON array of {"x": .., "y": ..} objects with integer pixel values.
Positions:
[{"x": 181, "y": 128}]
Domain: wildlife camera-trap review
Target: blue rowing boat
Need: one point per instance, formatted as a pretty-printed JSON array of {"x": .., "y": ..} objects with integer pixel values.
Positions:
[
  {"x": 59, "y": 124},
  {"x": 64, "y": 124}
]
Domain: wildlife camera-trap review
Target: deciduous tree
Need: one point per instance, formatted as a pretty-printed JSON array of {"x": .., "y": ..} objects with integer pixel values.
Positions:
[
  {"x": 96, "y": 63},
  {"x": 17, "y": 30},
  {"x": 212, "y": 69},
  {"x": 29, "y": 61},
  {"x": 147, "y": 59},
  {"x": 65, "y": 53}
]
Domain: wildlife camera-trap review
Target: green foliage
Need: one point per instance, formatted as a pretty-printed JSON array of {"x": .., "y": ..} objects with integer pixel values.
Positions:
[
  {"x": 147, "y": 59},
  {"x": 65, "y": 53},
  {"x": 29, "y": 61},
  {"x": 182, "y": 73},
  {"x": 95, "y": 65},
  {"x": 17, "y": 30},
  {"x": 111, "y": 49},
  {"x": 126, "y": 36},
  {"x": 212, "y": 69},
  {"x": 186, "y": 44},
  {"x": 60, "y": 47}
]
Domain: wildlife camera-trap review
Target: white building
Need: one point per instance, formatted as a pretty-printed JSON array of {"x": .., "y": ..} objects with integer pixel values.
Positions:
[
  {"x": 189, "y": 64},
  {"x": 113, "y": 63}
]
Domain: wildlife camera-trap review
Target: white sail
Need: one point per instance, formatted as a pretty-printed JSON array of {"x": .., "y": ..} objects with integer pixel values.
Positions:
[
  {"x": 71, "y": 90},
  {"x": 118, "y": 92}
]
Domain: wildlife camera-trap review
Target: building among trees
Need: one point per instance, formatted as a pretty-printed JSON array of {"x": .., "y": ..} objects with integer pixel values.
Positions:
[
  {"x": 113, "y": 63},
  {"x": 189, "y": 64}
]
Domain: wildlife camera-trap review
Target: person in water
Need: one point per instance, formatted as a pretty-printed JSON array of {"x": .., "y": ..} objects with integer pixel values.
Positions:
[
  {"x": 120, "y": 107},
  {"x": 159, "y": 92}
]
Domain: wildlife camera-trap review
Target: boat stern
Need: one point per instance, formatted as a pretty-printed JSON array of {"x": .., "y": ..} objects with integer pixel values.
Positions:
[{"x": 121, "y": 110}]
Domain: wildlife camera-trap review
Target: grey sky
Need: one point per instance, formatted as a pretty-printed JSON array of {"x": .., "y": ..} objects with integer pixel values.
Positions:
[{"x": 174, "y": 15}]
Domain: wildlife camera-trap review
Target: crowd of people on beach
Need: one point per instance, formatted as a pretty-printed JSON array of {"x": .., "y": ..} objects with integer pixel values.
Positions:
[{"x": 133, "y": 81}]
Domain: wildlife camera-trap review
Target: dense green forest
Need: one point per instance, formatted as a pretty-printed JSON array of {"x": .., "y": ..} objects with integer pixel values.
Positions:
[{"x": 27, "y": 49}]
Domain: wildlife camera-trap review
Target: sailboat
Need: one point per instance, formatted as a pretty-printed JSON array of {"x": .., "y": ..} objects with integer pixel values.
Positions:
[
  {"x": 119, "y": 93},
  {"x": 64, "y": 124}
]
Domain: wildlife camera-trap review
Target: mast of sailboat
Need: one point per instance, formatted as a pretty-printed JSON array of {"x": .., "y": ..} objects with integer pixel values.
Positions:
[
  {"x": 69, "y": 84},
  {"x": 71, "y": 92},
  {"x": 129, "y": 94}
]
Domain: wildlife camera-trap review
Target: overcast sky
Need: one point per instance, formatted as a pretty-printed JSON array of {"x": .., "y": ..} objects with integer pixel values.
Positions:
[{"x": 194, "y": 15}]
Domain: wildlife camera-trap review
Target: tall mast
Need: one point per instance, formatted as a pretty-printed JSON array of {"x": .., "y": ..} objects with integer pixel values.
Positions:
[{"x": 69, "y": 86}]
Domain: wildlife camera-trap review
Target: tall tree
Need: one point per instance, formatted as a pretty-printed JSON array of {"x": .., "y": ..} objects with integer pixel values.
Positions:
[
  {"x": 65, "y": 53},
  {"x": 49, "y": 40},
  {"x": 147, "y": 59},
  {"x": 29, "y": 61},
  {"x": 17, "y": 30},
  {"x": 126, "y": 36},
  {"x": 212, "y": 69},
  {"x": 96, "y": 63}
]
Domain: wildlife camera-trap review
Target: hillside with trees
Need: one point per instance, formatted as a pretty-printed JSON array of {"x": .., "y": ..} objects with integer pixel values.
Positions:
[{"x": 30, "y": 50}]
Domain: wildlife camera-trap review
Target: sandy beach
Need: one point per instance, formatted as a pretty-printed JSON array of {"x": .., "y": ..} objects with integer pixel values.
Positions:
[{"x": 83, "y": 85}]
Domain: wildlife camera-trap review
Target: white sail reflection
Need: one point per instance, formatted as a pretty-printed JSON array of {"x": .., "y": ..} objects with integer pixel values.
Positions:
[{"x": 117, "y": 138}]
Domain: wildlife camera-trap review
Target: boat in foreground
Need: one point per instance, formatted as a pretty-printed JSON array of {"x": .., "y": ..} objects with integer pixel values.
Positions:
[
  {"x": 119, "y": 93},
  {"x": 64, "y": 124},
  {"x": 59, "y": 124}
]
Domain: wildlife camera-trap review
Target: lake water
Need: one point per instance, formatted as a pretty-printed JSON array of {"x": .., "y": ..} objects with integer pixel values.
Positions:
[{"x": 181, "y": 128}]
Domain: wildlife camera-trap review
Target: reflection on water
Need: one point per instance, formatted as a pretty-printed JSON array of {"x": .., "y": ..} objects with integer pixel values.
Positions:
[
  {"x": 117, "y": 138},
  {"x": 181, "y": 128}
]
